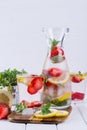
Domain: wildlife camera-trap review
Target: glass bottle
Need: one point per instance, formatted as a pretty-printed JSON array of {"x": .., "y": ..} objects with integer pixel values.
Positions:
[{"x": 57, "y": 85}]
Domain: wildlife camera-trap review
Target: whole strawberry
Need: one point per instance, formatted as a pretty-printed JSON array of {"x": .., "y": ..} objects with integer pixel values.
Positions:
[{"x": 4, "y": 110}]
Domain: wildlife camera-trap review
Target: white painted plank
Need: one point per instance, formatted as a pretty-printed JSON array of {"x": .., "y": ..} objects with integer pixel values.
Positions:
[
  {"x": 41, "y": 127},
  {"x": 73, "y": 122},
  {"x": 82, "y": 107},
  {"x": 6, "y": 125}
]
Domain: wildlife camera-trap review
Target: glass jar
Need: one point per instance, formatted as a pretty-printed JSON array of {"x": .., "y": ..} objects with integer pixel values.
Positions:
[
  {"x": 57, "y": 85},
  {"x": 79, "y": 84},
  {"x": 30, "y": 88}
]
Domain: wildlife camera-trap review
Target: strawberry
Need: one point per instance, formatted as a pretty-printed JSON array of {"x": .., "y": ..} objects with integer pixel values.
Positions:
[
  {"x": 55, "y": 72},
  {"x": 77, "y": 95},
  {"x": 37, "y": 83},
  {"x": 31, "y": 104},
  {"x": 48, "y": 84},
  {"x": 76, "y": 79},
  {"x": 31, "y": 90},
  {"x": 4, "y": 110},
  {"x": 56, "y": 51},
  {"x": 35, "y": 104},
  {"x": 24, "y": 102}
]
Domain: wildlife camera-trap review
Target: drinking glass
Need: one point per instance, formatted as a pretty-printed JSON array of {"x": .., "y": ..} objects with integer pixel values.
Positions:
[
  {"x": 29, "y": 87},
  {"x": 78, "y": 83}
]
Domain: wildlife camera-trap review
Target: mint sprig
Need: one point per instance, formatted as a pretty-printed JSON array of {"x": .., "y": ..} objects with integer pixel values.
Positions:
[
  {"x": 45, "y": 109},
  {"x": 54, "y": 42},
  {"x": 20, "y": 107}
]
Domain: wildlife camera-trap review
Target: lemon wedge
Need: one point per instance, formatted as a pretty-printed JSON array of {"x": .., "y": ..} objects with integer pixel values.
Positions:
[
  {"x": 62, "y": 113},
  {"x": 53, "y": 113},
  {"x": 63, "y": 79},
  {"x": 6, "y": 97},
  {"x": 63, "y": 97}
]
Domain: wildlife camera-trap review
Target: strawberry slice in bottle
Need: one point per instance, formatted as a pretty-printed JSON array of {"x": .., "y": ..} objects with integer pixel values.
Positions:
[{"x": 55, "y": 72}]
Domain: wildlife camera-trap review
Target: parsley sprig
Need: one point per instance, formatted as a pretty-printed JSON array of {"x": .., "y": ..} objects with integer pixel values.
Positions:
[{"x": 8, "y": 77}]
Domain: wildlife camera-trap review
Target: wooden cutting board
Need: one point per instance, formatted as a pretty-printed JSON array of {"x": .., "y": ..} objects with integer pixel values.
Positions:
[{"x": 19, "y": 118}]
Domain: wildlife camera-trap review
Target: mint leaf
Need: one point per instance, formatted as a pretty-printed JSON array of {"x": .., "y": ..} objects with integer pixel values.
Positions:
[
  {"x": 45, "y": 109},
  {"x": 20, "y": 107},
  {"x": 54, "y": 42},
  {"x": 59, "y": 103}
]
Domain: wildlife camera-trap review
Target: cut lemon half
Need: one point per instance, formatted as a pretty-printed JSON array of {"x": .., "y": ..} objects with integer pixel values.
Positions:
[
  {"x": 53, "y": 113},
  {"x": 63, "y": 79},
  {"x": 6, "y": 97},
  {"x": 62, "y": 113},
  {"x": 63, "y": 97}
]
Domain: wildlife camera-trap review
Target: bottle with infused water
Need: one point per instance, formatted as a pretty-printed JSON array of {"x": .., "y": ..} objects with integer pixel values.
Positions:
[{"x": 57, "y": 85}]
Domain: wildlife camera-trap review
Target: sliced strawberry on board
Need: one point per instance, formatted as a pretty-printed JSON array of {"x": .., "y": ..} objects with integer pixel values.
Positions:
[
  {"x": 55, "y": 72},
  {"x": 31, "y": 104},
  {"x": 37, "y": 83},
  {"x": 4, "y": 110},
  {"x": 31, "y": 90},
  {"x": 76, "y": 79},
  {"x": 34, "y": 104}
]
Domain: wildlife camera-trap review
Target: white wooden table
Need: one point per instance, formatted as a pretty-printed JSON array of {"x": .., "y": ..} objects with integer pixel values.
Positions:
[{"x": 76, "y": 120}]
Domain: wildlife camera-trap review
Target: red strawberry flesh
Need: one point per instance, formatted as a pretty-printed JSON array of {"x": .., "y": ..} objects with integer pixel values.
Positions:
[
  {"x": 76, "y": 79},
  {"x": 31, "y": 90},
  {"x": 78, "y": 96},
  {"x": 4, "y": 110},
  {"x": 37, "y": 83},
  {"x": 56, "y": 51},
  {"x": 55, "y": 72}
]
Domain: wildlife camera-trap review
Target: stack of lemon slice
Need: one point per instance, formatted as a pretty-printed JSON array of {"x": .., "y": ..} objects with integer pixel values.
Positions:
[{"x": 53, "y": 113}]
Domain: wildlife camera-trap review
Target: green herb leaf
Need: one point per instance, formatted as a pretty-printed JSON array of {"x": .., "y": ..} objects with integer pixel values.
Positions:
[
  {"x": 54, "y": 42},
  {"x": 45, "y": 109},
  {"x": 20, "y": 107},
  {"x": 8, "y": 77},
  {"x": 59, "y": 103}
]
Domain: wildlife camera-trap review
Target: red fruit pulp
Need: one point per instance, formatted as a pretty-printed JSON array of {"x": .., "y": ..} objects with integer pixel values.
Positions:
[
  {"x": 78, "y": 96},
  {"x": 31, "y": 104},
  {"x": 31, "y": 89},
  {"x": 56, "y": 51},
  {"x": 55, "y": 72},
  {"x": 4, "y": 110},
  {"x": 37, "y": 83},
  {"x": 35, "y": 104},
  {"x": 76, "y": 79}
]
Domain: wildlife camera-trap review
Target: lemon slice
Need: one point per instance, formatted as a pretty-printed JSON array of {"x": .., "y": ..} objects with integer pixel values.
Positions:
[
  {"x": 6, "y": 97},
  {"x": 63, "y": 97},
  {"x": 53, "y": 113},
  {"x": 20, "y": 78},
  {"x": 62, "y": 113},
  {"x": 63, "y": 79}
]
